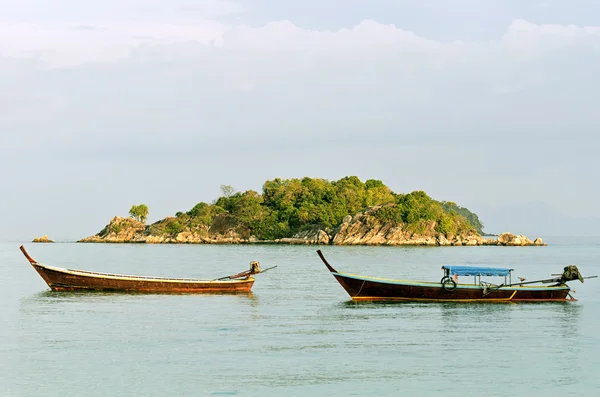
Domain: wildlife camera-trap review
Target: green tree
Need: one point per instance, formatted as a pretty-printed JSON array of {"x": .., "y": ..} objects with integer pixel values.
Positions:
[
  {"x": 227, "y": 190},
  {"x": 174, "y": 227},
  {"x": 139, "y": 212},
  {"x": 203, "y": 213},
  {"x": 471, "y": 217},
  {"x": 248, "y": 207},
  {"x": 377, "y": 193}
]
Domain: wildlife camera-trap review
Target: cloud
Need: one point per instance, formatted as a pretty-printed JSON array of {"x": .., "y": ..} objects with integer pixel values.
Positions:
[
  {"x": 523, "y": 36},
  {"x": 280, "y": 79},
  {"x": 61, "y": 11},
  {"x": 464, "y": 120},
  {"x": 65, "y": 45}
]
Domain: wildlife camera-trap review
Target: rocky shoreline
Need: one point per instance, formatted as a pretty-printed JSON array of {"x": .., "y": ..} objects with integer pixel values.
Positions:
[{"x": 360, "y": 229}]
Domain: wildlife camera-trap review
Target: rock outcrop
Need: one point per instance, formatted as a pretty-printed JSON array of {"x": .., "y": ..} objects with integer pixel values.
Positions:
[
  {"x": 43, "y": 239},
  {"x": 364, "y": 228},
  {"x": 225, "y": 230},
  {"x": 119, "y": 230},
  {"x": 517, "y": 240},
  {"x": 306, "y": 237}
]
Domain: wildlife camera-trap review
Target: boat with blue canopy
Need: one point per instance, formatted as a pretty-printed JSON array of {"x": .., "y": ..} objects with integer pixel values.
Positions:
[
  {"x": 450, "y": 289},
  {"x": 477, "y": 272}
]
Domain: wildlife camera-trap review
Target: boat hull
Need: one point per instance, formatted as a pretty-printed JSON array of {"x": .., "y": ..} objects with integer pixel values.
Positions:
[
  {"x": 366, "y": 289},
  {"x": 60, "y": 279},
  {"x": 70, "y": 280},
  {"x": 362, "y": 288}
]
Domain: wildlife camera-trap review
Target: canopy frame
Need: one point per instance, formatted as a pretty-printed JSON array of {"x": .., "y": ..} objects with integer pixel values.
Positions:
[{"x": 477, "y": 272}]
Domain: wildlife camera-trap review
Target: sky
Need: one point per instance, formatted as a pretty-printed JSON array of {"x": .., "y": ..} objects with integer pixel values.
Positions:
[{"x": 487, "y": 103}]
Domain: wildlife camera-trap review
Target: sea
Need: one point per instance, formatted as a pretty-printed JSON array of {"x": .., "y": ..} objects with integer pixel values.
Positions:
[{"x": 298, "y": 333}]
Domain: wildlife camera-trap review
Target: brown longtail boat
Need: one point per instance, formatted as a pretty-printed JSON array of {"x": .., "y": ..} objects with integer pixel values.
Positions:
[
  {"x": 448, "y": 289},
  {"x": 60, "y": 279}
]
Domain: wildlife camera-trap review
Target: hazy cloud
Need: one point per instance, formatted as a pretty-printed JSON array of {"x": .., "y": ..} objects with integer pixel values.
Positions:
[
  {"x": 61, "y": 11},
  {"x": 100, "y": 113}
]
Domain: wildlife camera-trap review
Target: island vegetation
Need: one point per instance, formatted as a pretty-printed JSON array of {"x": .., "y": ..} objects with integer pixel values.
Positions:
[
  {"x": 289, "y": 206},
  {"x": 312, "y": 209}
]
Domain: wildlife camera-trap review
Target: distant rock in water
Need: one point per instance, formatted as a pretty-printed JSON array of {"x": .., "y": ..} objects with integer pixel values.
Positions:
[
  {"x": 43, "y": 239},
  {"x": 517, "y": 240},
  {"x": 364, "y": 228}
]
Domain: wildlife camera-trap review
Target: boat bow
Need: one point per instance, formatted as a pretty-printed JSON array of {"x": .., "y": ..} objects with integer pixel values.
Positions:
[{"x": 331, "y": 269}]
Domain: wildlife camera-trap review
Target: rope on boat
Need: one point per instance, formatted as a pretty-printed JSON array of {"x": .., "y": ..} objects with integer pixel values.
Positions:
[{"x": 361, "y": 287}]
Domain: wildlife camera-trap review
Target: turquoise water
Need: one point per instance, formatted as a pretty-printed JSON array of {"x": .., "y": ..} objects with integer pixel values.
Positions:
[{"x": 298, "y": 334}]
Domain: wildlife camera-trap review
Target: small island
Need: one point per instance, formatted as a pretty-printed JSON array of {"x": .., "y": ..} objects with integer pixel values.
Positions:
[
  {"x": 312, "y": 211},
  {"x": 43, "y": 239}
]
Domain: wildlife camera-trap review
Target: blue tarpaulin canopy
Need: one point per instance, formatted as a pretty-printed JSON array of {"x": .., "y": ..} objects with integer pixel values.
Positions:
[{"x": 477, "y": 271}]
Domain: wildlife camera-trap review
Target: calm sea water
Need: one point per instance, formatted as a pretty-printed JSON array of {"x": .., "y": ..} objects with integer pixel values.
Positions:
[{"x": 298, "y": 334}]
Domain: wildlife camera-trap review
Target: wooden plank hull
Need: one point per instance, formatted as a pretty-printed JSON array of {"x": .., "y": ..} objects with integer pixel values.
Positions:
[
  {"x": 60, "y": 279},
  {"x": 71, "y": 280},
  {"x": 362, "y": 288}
]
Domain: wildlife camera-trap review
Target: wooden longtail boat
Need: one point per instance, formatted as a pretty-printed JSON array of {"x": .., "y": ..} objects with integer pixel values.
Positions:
[
  {"x": 60, "y": 279},
  {"x": 448, "y": 289}
]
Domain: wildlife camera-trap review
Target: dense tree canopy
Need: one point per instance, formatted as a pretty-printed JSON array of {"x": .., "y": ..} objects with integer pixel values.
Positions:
[
  {"x": 417, "y": 210},
  {"x": 287, "y": 206},
  {"x": 473, "y": 219}
]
